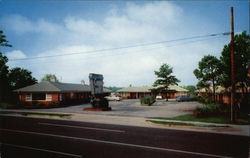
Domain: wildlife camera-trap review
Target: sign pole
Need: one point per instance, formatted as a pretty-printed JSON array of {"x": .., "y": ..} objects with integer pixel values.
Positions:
[{"x": 232, "y": 68}]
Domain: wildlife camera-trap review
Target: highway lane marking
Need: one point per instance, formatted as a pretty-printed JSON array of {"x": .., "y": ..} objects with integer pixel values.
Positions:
[
  {"x": 90, "y": 128},
  {"x": 44, "y": 150},
  {"x": 117, "y": 143}
]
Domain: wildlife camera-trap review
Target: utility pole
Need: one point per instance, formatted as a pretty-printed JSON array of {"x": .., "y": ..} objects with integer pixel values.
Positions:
[{"x": 232, "y": 67}]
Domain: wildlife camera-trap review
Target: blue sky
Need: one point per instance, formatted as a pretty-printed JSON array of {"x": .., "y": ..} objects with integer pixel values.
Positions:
[{"x": 47, "y": 28}]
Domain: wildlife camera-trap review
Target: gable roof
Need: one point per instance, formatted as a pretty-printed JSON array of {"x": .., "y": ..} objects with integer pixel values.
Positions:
[
  {"x": 149, "y": 88},
  {"x": 220, "y": 89},
  {"x": 56, "y": 87},
  {"x": 178, "y": 88},
  {"x": 135, "y": 89}
]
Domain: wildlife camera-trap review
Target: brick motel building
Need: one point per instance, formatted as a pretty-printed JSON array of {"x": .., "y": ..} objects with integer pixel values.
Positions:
[
  {"x": 138, "y": 92},
  {"x": 55, "y": 92},
  {"x": 222, "y": 95}
]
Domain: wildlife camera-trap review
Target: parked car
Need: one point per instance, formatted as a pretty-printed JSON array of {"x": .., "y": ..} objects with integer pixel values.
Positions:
[
  {"x": 184, "y": 98},
  {"x": 113, "y": 98},
  {"x": 158, "y": 97}
]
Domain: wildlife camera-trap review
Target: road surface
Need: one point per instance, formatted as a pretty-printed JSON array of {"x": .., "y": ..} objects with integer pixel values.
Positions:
[{"x": 24, "y": 137}]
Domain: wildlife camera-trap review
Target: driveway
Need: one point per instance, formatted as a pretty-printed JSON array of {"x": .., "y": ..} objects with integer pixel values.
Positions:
[{"x": 132, "y": 108}]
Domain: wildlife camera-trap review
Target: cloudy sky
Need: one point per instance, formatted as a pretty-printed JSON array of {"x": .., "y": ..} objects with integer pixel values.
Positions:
[{"x": 125, "y": 41}]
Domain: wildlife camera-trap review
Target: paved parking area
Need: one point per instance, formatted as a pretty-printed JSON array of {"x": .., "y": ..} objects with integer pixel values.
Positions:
[{"x": 132, "y": 108}]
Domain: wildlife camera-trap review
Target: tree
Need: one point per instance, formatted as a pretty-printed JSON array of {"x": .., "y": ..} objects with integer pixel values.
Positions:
[
  {"x": 165, "y": 79},
  {"x": 191, "y": 89},
  {"x": 50, "y": 78},
  {"x": 242, "y": 64},
  {"x": 11, "y": 79},
  {"x": 19, "y": 78},
  {"x": 4, "y": 84},
  {"x": 3, "y": 41},
  {"x": 208, "y": 72}
]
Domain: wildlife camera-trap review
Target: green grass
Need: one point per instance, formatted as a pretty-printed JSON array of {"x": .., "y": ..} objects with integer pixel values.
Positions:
[
  {"x": 169, "y": 123},
  {"x": 189, "y": 117},
  {"x": 6, "y": 105},
  {"x": 208, "y": 119}
]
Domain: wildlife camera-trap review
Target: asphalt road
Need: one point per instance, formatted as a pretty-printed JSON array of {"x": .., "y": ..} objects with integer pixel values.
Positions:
[{"x": 23, "y": 137}]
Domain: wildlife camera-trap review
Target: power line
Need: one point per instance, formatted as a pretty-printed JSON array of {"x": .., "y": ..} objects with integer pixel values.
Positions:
[
  {"x": 124, "y": 47},
  {"x": 123, "y": 53}
]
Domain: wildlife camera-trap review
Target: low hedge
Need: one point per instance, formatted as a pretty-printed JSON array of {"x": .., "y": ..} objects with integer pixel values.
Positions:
[
  {"x": 203, "y": 99},
  {"x": 212, "y": 110},
  {"x": 7, "y": 106},
  {"x": 147, "y": 100}
]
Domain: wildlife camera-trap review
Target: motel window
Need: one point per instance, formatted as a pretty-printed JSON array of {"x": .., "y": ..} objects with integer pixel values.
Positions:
[
  {"x": 48, "y": 97},
  {"x": 71, "y": 95},
  {"x": 28, "y": 97},
  {"x": 38, "y": 96},
  {"x": 60, "y": 97}
]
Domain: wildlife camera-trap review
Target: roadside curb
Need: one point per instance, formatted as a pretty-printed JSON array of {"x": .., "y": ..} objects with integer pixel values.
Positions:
[{"x": 32, "y": 112}]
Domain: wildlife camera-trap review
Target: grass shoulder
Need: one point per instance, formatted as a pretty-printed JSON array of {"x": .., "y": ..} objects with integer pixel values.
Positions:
[{"x": 189, "y": 118}]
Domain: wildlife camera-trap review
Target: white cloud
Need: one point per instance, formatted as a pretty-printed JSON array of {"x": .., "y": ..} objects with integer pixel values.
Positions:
[
  {"x": 132, "y": 25},
  {"x": 16, "y": 54},
  {"x": 21, "y": 25},
  {"x": 17, "y": 23},
  {"x": 82, "y": 26},
  {"x": 164, "y": 13}
]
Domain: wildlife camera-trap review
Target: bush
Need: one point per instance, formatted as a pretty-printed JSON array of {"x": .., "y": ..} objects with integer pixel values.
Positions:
[
  {"x": 204, "y": 100},
  {"x": 212, "y": 110},
  {"x": 148, "y": 100},
  {"x": 100, "y": 103},
  {"x": 7, "y": 106},
  {"x": 52, "y": 105},
  {"x": 245, "y": 104}
]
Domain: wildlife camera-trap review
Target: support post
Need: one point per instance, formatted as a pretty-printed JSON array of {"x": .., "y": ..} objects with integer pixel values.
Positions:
[{"x": 232, "y": 68}]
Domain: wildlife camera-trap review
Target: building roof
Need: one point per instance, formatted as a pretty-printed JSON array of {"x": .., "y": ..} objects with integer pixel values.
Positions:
[
  {"x": 219, "y": 89},
  {"x": 135, "y": 89},
  {"x": 57, "y": 87},
  {"x": 150, "y": 88}
]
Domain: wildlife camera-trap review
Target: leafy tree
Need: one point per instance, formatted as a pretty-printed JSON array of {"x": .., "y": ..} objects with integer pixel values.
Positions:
[
  {"x": 242, "y": 60},
  {"x": 208, "y": 72},
  {"x": 242, "y": 64},
  {"x": 19, "y": 78},
  {"x": 4, "y": 84},
  {"x": 165, "y": 79},
  {"x": 191, "y": 89},
  {"x": 3, "y": 41},
  {"x": 50, "y": 78},
  {"x": 11, "y": 79}
]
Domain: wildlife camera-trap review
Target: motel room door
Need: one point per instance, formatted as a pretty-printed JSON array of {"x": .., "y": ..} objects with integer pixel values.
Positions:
[{"x": 133, "y": 95}]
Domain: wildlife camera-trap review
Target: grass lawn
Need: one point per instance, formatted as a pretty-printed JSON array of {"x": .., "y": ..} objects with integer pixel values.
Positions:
[
  {"x": 6, "y": 105},
  {"x": 222, "y": 120}
]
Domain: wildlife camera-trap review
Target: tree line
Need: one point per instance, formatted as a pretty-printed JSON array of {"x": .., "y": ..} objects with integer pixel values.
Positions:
[{"x": 214, "y": 72}]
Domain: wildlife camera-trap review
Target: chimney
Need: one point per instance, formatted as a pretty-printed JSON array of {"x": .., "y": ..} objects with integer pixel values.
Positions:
[{"x": 82, "y": 82}]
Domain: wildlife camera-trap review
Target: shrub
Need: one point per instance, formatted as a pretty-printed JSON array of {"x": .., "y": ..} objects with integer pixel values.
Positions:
[
  {"x": 148, "y": 100},
  {"x": 204, "y": 100},
  {"x": 6, "y": 106},
  {"x": 100, "y": 103},
  {"x": 211, "y": 110}
]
